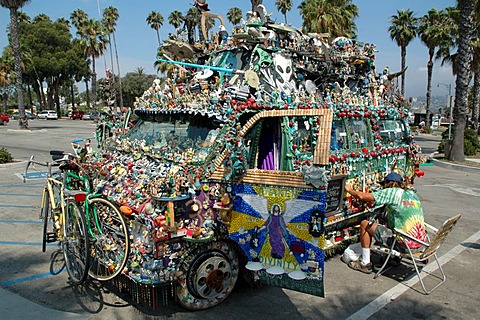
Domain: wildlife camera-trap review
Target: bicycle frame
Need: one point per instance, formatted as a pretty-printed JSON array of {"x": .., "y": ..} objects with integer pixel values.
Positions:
[
  {"x": 95, "y": 216},
  {"x": 64, "y": 193}
]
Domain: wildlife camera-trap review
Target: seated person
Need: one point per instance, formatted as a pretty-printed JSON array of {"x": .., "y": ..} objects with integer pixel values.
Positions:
[{"x": 403, "y": 212}]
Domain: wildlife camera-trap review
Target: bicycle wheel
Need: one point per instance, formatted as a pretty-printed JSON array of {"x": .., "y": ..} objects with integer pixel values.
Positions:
[
  {"x": 111, "y": 241},
  {"x": 75, "y": 243},
  {"x": 45, "y": 215}
]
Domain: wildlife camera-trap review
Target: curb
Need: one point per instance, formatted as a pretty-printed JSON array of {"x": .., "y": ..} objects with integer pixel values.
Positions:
[{"x": 453, "y": 166}]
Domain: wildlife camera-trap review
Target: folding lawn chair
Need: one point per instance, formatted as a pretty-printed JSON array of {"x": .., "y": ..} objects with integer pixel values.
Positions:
[{"x": 424, "y": 256}]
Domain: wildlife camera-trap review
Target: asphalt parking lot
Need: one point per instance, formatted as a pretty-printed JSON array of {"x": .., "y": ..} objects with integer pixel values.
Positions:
[{"x": 27, "y": 272}]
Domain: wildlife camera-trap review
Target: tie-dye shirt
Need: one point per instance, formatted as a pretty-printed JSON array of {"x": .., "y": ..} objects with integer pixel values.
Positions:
[{"x": 404, "y": 212}]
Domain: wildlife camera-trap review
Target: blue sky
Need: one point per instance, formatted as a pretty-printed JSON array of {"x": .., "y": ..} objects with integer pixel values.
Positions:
[{"x": 137, "y": 42}]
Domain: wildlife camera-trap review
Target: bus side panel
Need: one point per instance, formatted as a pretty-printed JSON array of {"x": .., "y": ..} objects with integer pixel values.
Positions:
[{"x": 280, "y": 230}]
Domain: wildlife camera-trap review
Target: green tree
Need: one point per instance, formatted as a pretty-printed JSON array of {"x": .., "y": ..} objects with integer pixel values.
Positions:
[
  {"x": 432, "y": 33},
  {"x": 155, "y": 21},
  {"x": 77, "y": 17},
  {"x": 163, "y": 67},
  {"x": 92, "y": 37},
  {"x": 6, "y": 70},
  {"x": 284, "y": 6},
  {"x": 403, "y": 30},
  {"x": 42, "y": 17},
  {"x": 176, "y": 19},
  {"x": 234, "y": 15},
  {"x": 13, "y": 6},
  {"x": 53, "y": 59},
  {"x": 135, "y": 84},
  {"x": 466, "y": 29},
  {"x": 64, "y": 21},
  {"x": 255, "y": 3},
  {"x": 23, "y": 17},
  {"x": 110, "y": 18},
  {"x": 476, "y": 69},
  {"x": 335, "y": 17},
  {"x": 191, "y": 22},
  {"x": 448, "y": 46}
]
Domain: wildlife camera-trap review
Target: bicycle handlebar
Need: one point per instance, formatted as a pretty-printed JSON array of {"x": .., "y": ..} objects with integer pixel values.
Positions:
[
  {"x": 31, "y": 161},
  {"x": 65, "y": 157}
]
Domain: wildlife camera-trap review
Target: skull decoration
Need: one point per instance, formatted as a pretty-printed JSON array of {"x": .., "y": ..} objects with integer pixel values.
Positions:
[{"x": 283, "y": 74}]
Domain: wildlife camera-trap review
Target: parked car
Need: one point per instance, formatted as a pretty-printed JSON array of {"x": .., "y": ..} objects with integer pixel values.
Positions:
[
  {"x": 48, "y": 115},
  {"x": 87, "y": 116},
  {"x": 29, "y": 115},
  {"x": 4, "y": 118},
  {"x": 76, "y": 114}
]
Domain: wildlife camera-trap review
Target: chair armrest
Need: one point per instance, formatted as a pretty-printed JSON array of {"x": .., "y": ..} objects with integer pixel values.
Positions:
[
  {"x": 431, "y": 227},
  {"x": 405, "y": 235}
]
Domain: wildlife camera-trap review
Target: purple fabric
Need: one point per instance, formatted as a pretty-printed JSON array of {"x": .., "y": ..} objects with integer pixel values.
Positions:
[{"x": 268, "y": 163}]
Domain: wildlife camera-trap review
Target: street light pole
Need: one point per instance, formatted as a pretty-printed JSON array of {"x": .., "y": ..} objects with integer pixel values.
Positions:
[{"x": 449, "y": 104}]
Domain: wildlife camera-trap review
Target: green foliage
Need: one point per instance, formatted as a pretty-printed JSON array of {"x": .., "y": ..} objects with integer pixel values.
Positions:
[
  {"x": 5, "y": 156},
  {"x": 53, "y": 58},
  {"x": 471, "y": 144},
  {"x": 134, "y": 85}
]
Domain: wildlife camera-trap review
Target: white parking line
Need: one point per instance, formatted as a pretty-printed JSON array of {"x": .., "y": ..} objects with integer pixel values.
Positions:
[{"x": 380, "y": 302}]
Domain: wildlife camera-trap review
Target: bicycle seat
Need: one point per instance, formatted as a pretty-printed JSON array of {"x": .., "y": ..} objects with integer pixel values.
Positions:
[{"x": 57, "y": 155}]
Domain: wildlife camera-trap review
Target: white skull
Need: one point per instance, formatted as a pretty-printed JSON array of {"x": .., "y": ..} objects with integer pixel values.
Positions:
[{"x": 283, "y": 73}]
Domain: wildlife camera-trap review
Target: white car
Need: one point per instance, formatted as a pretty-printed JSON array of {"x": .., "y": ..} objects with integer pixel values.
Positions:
[{"x": 48, "y": 115}]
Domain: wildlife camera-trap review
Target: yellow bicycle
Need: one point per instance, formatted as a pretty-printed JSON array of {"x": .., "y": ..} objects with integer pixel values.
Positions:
[{"x": 63, "y": 217}]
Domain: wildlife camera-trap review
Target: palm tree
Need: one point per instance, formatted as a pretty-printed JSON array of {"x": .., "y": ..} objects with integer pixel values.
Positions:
[
  {"x": 77, "y": 17},
  {"x": 234, "y": 15},
  {"x": 449, "y": 44},
  {"x": 255, "y": 3},
  {"x": 191, "y": 22},
  {"x": 432, "y": 32},
  {"x": 22, "y": 17},
  {"x": 6, "y": 64},
  {"x": 284, "y": 6},
  {"x": 13, "y": 6},
  {"x": 335, "y": 17},
  {"x": 155, "y": 21},
  {"x": 163, "y": 67},
  {"x": 465, "y": 30},
  {"x": 92, "y": 37},
  {"x": 476, "y": 69},
  {"x": 403, "y": 30},
  {"x": 64, "y": 21},
  {"x": 110, "y": 21},
  {"x": 41, "y": 17},
  {"x": 176, "y": 19},
  {"x": 476, "y": 82}
]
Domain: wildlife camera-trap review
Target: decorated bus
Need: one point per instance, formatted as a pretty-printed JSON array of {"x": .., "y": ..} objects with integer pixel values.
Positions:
[{"x": 238, "y": 158}]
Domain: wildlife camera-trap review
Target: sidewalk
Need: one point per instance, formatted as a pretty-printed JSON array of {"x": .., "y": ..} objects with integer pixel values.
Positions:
[
  {"x": 429, "y": 144},
  {"x": 12, "y": 305},
  {"x": 450, "y": 165},
  {"x": 15, "y": 307}
]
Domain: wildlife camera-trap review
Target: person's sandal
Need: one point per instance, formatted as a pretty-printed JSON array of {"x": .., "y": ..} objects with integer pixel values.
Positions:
[{"x": 357, "y": 265}]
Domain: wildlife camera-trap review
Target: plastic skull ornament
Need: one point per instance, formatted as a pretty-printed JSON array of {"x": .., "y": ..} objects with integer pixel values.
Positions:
[{"x": 283, "y": 73}]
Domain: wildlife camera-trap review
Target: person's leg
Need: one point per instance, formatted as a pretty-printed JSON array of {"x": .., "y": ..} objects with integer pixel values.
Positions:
[{"x": 366, "y": 232}]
